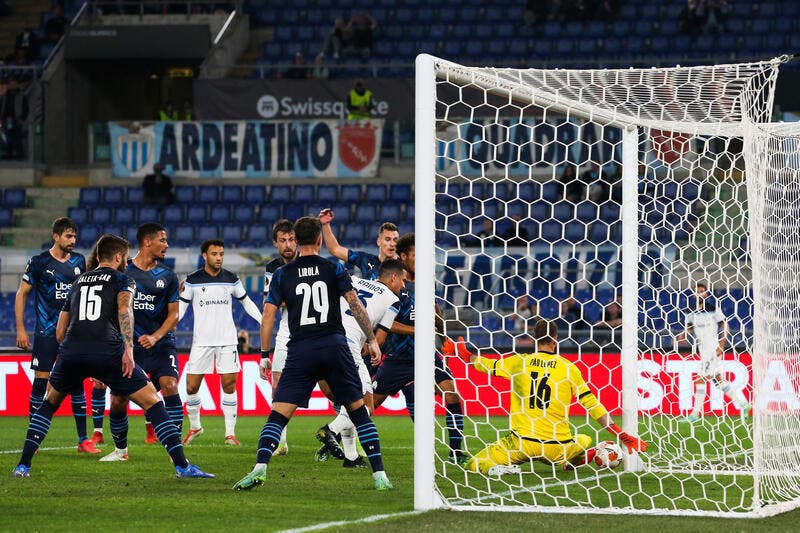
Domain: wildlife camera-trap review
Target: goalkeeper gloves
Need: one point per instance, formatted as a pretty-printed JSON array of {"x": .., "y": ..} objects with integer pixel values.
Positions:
[
  {"x": 633, "y": 444},
  {"x": 459, "y": 348}
]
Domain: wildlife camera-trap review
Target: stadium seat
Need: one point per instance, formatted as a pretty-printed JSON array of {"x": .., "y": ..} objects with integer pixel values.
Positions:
[
  {"x": 232, "y": 234},
  {"x": 354, "y": 233},
  {"x": 254, "y": 194},
  {"x": 6, "y": 216},
  {"x": 196, "y": 214},
  {"x": 220, "y": 214},
  {"x": 130, "y": 234},
  {"x": 88, "y": 235},
  {"x": 303, "y": 194},
  {"x": 563, "y": 211},
  {"x": 172, "y": 214},
  {"x": 294, "y": 211},
  {"x": 327, "y": 194},
  {"x": 206, "y": 232},
  {"x": 243, "y": 214},
  {"x": 280, "y": 193},
  {"x": 134, "y": 195},
  {"x": 388, "y": 212},
  {"x": 231, "y": 194},
  {"x": 101, "y": 215},
  {"x": 366, "y": 213},
  {"x": 182, "y": 235},
  {"x": 208, "y": 194},
  {"x": 185, "y": 194},
  {"x": 113, "y": 229},
  {"x": 113, "y": 196},
  {"x": 79, "y": 215},
  {"x": 88, "y": 196},
  {"x": 269, "y": 214},
  {"x": 350, "y": 193},
  {"x": 375, "y": 193},
  {"x": 575, "y": 231},
  {"x": 258, "y": 235},
  {"x": 551, "y": 231},
  {"x": 400, "y": 192},
  {"x": 148, "y": 213}
]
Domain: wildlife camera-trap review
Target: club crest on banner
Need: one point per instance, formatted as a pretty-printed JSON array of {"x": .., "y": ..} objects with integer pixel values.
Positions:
[
  {"x": 357, "y": 144},
  {"x": 135, "y": 150}
]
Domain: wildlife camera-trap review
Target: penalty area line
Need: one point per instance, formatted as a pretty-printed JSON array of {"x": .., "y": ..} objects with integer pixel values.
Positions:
[
  {"x": 52, "y": 448},
  {"x": 365, "y": 520}
]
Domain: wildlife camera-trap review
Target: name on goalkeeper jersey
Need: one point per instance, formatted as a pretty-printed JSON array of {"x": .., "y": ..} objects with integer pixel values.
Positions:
[
  {"x": 304, "y": 272},
  {"x": 542, "y": 363}
]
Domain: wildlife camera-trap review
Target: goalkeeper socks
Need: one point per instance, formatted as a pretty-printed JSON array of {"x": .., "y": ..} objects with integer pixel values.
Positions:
[
  {"x": 455, "y": 425},
  {"x": 38, "y": 391},
  {"x": 270, "y": 436},
  {"x": 79, "y": 412},
  {"x": 699, "y": 398},
  {"x": 168, "y": 433},
  {"x": 118, "y": 423},
  {"x": 37, "y": 431},
  {"x": 98, "y": 408},
  {"x": 174, "y": 407},
  {"x": 368, "y": 436},
  {"x": 193, "y": 410},
  {"x": 341, "y": 422},
  {"x": 230, "y": 405},
  {"x": 408, "y": 393}
]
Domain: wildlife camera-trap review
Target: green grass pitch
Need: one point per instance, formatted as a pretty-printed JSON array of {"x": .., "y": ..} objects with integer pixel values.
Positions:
[{"x": 68, "y": 491}]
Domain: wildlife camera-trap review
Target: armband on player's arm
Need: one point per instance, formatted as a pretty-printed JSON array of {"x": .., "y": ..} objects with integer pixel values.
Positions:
[{"x": 266, "y": 354}]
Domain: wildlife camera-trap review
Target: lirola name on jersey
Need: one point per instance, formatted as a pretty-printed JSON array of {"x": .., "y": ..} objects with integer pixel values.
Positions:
[
  {"x": 62, "y": 289},
  {"x": 144, "y": 301},
  {"x": 204, "y": 303}
]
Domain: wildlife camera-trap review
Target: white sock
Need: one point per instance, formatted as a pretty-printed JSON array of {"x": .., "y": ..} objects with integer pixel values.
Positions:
[
  {"x": 699, "y": 398},
  {"x": 341, "y": 422},
  {"x": 735, "y": 395},
  {"x": 283, "y": 435},
  {"x": 230, "y": 405},
  {"x": 349, "y": 442},
  {"x": 193, "y": 410}
]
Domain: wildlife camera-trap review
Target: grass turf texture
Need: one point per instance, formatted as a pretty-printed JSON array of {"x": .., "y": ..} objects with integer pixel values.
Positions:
[{"x": 68, "y": 491}]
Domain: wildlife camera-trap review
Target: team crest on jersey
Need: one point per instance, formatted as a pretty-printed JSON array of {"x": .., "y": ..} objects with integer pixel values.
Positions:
[
  {"x": 77, "y": 271},
  {"x": 160, "y": 284}
]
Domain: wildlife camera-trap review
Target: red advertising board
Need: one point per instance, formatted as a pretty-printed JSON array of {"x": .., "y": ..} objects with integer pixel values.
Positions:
[{"x": 665, "y": 385}]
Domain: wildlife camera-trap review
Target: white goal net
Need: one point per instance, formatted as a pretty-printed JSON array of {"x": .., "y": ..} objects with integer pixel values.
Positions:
[{"x": 653, "y": 215}]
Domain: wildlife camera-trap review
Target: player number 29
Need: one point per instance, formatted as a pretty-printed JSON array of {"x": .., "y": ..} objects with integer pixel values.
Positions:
[
  {"x": 89, "y": 306},
  {"x": 316, "y": 295}
]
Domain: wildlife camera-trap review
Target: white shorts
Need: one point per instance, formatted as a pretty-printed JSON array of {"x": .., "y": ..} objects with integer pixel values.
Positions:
[
  {"x": 279, "y": 355},
  {"x": 363, "y": 373},
  {"x": 202, "y": 359}
]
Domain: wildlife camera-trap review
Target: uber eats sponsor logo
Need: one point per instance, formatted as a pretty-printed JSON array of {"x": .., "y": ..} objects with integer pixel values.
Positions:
[
  {"x": 144, "y": 302},
  {"x": 212, "y": 301},
  {"x": 270, "y": 107},
  {"x": 62, "y": 289}
]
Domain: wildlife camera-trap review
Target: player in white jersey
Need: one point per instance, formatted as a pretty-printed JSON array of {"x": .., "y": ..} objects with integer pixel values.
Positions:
[
  {"x": 707, "y": 324},
  {"x": 283, "y": 240},
  {"x": 211, "y": 290},
  {"x": 379, "y": 298}
]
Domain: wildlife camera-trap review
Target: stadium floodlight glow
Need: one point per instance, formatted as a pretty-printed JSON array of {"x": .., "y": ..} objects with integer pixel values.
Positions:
[{"x": 679, "y": 178}]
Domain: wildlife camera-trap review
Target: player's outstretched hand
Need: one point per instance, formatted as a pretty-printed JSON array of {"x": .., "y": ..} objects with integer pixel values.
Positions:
[
  {"x": 457, "y": 348},
  {"x": 633, "y": 444},
  {"x": 326, "y": 216},
  {"x": 127, "y": 362},
  {"x": 264, "y": 368}
]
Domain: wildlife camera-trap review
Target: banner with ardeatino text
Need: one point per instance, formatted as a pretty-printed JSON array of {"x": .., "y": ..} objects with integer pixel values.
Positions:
[{"x": 248, "y": 149}]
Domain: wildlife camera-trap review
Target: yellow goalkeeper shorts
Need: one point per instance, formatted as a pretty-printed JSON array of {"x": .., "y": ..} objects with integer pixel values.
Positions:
[{"x": 513, "y": 449}]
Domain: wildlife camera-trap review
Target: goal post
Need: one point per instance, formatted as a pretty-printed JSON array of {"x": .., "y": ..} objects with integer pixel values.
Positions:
[{"x": 555, "y": 193}]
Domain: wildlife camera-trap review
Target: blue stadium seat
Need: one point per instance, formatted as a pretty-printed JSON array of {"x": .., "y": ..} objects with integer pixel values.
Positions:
[
  {"x": 327, "y": 194},
  {"x": 6, "y": 216},
  {"x": 405, "y": 227},
  {"x": 343, "y": 212},
  {"x": 113, "y": 196},
  {"x": 220, "y": 214},
  {"x": 79, "y": 215},
  {"x": 366, "y": 213},
  {"x": 609, "y": 212},
  {"x": 258, "y": 236},
  {"x": 599, "y": 232},
  {"x": 231, "y": 194},
  {"x": 101, "y": 215},
  {"x": 550, "y": 231},
  {"x": 113, "y": 229},
  {"x": 172, "y": 214},
  {"x": 376, "y": 192},
  {"x": 280, "y": 193},
  {"x": 388, "y": 212},
  {"x": 350, "y": 193},
  {"x": 134, "y": 195},
  {"x": 130, "y": 234},
  {"x": 196, "y": 214},
  {"x": 575, "y": 231},
  {"x": 409, "y": 216},
  {"x": 185, "y": 194},
  {"x": 206, "y": 232},
  {"x": 551, "y": 191},
  {"x": 269, "y": 214},
  {"x": 354, "y": 233},
  {"x": 254, "y": 194},
  {"x": 88, "y": 196},
  {"x": 148, "y": 213},
  {"x": 303, "y": 194},
  {"x": 232, "y": 234},
  {"x": 295, "y": 211},
  {"x": 586, "y": 211},
  {"x": 563, "y": 211},
  {"x": 243, "y": 214},
  {"x": 182, "y": 235},
  {"x": 88, "y": 235},
  {"x": 208, "y": 194},
  {"x": 400, "y": 192}
]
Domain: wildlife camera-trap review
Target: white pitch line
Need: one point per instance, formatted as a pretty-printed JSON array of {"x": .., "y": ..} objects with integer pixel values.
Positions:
[
  {"x": 5, "y": 452},
  {"x": 365, "y": 520}
]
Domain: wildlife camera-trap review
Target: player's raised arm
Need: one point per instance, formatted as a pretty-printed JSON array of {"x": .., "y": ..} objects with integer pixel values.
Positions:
[
  {"x": 23, "y": 341},
  {"x": 331, "y": 243},
  {"x": 267, "y": 324},
  {"x": 125, "y": 313}
]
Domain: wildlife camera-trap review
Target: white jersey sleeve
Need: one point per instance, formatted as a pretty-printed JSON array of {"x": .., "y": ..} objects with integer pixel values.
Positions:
[
  {"x": 388, "y": 317},
  {"x": 238, "y": 289},
  {"x": 376, "y": 298},
  {"x": 211, "y": 298}
]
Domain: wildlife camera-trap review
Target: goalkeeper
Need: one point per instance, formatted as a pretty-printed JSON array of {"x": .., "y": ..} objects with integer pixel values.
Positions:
[{"x": 543, "y": 386}]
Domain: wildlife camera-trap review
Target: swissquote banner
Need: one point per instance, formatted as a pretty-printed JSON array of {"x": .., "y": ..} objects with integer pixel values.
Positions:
[
  {"x": 274, "y": 149},
  {"x": 664, "y": 385}
]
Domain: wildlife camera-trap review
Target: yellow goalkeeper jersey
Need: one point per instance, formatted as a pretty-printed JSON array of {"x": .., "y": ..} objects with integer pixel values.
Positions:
[{"x": 543, "y": 386}]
